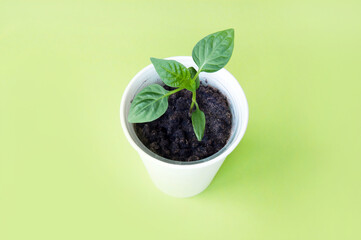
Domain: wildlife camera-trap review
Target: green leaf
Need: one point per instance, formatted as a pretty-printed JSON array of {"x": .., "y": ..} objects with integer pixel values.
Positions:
[
  {"x": 193, "y": 72},
  {"x": 172, "y": 73},
  {"x": 199, "y": 123},
  {"x": 149, "y": 104},
  {"x": 213, "y": 52}
]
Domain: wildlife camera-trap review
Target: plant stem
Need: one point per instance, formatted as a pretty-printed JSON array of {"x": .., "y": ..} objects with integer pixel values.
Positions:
[
  {"x": 194, "y": 101},
  {"x": 197, "y": 105},
  {"x": 172, "y": 92}
]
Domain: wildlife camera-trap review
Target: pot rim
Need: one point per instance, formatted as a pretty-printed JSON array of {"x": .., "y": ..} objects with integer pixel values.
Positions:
[{"x": 179, "y": 164}]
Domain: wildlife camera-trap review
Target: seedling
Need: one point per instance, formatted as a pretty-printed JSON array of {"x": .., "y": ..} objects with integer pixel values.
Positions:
[{"x": 210, "y": 54}]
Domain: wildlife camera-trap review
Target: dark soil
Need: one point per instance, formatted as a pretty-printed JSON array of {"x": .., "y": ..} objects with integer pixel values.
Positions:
[{"x": 171, "y": 136}]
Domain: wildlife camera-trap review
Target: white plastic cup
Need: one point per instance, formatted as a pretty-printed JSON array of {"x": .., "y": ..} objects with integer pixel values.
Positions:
[{"x": 186, "y": 179}]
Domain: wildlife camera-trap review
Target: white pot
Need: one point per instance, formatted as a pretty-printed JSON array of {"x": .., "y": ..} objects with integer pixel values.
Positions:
[{"x": 186, "y": 179}]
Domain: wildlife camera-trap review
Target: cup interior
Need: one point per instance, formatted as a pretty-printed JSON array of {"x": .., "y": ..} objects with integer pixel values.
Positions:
[{"x": 222, "y": 80}]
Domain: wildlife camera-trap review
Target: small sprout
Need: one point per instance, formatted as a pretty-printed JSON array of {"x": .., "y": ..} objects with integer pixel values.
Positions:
[{"x": 210, "y": 54}]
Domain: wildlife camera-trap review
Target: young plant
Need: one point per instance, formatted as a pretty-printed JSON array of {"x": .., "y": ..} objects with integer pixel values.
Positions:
[{"x": 210, "y": 54}]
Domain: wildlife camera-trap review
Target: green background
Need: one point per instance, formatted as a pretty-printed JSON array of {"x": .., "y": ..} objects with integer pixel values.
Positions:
[{"x": 68, "y": 172}]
